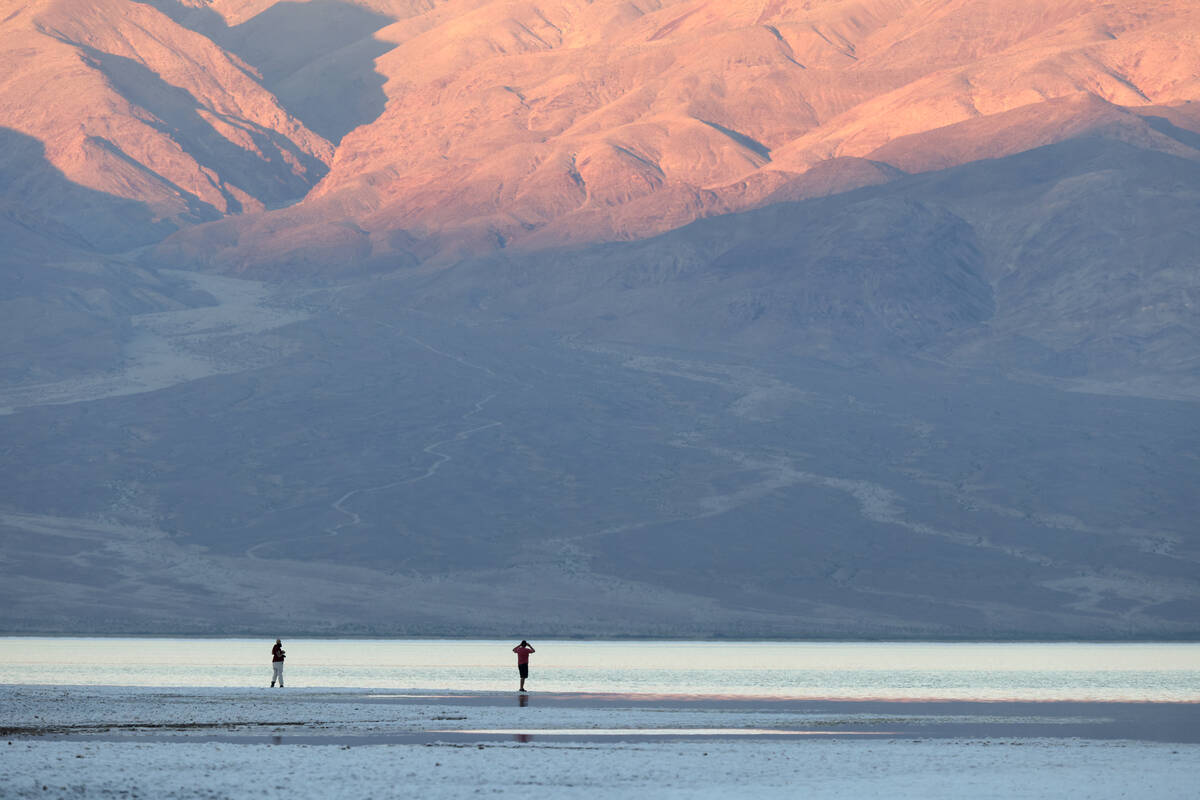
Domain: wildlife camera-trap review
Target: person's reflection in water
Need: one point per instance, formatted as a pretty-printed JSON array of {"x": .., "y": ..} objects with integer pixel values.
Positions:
[{"x": 522, "y": 701}]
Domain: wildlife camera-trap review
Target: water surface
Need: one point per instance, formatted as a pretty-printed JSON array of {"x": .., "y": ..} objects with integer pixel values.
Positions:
[{"x": 833, "y": 670}]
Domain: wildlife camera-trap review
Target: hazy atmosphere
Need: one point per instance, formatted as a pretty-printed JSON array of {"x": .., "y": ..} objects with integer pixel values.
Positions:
[{"x": 667, "y": 318}]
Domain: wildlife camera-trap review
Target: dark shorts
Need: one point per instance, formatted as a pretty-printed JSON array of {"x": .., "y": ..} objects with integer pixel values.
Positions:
[{"x": 523, "y": 669}]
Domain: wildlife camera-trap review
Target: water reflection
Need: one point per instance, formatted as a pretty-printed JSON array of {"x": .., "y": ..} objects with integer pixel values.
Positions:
[{"x": 522, "y": 700}]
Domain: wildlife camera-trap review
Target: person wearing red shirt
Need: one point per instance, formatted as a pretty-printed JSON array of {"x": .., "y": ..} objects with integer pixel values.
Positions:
[{"x": 523, "y": 650}]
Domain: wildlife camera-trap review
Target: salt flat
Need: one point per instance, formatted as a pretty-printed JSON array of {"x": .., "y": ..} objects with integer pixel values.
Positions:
[
  {"x": 816, "y": 769},
  {"x": 301, "y": 743}
]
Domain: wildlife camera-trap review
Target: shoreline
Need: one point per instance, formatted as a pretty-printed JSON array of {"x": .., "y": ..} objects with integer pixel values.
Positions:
[{"x": 341, "y": 716}]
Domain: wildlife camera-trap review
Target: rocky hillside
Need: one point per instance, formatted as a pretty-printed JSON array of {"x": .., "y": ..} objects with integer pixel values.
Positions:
[
  {"x": 417, "y": 131},
  {"x": 143, "y": 125},
  {"x": 119, "y": 126},
  {"x": 527, "y": 125},
  {"x": 774, "y": 318}
]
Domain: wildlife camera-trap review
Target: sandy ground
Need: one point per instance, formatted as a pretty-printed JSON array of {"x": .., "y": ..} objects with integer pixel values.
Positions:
[{"x": 312, "y": 743}]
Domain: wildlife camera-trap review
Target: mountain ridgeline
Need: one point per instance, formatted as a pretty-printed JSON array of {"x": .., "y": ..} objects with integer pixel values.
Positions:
[{"x": 658, "y": 318}]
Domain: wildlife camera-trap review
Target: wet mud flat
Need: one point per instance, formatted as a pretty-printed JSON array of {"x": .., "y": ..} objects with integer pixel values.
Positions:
[
  {"x": 317, "y": 743},
  {"x": 363, "y": 717}
]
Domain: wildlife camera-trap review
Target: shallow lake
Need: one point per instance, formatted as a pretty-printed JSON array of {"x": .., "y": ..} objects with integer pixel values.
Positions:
[{"x": 842, "y": 670}]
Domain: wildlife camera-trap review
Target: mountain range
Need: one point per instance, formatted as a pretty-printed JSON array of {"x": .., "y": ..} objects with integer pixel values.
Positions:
[{"x": 621, "y": 317}]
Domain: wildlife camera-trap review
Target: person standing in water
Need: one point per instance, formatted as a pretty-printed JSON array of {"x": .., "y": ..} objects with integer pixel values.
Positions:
[
  {"x": 523, "y": 650},
  {"x": 277, "y": 656}
]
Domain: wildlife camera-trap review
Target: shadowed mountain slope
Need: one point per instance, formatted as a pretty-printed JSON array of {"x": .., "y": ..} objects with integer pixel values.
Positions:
[
  {"x": 63, "y": 311},
  {"x": 118, "y": 127},
  {"x": 317, "y": 57},
  {"x": 377, "y": 469},
  {"x": 1072, "y": 262}
]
